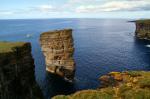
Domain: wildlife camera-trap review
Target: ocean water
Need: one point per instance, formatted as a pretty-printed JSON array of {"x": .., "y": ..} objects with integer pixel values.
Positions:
[{"x": 101, "y": 46}]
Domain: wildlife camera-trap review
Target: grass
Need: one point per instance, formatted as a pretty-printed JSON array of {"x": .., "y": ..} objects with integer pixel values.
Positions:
[
  {"x": 143, "y": 78},
  {"x": 62, "y": 97},
  {"x": 87, "y": 94},
  {"x": 138, "y": 90},
  {"x": 144, "y": 74},
  {"x": 136, "y": 94},
  {"x": 8, "y": 46},
  {"x": 146, "y": 21},
  {"x": 134, "y": 73},
  {"x": 55, "y": 32},
  {"x": 144, "y": 82},
  {"x": 124, "y": 88}
]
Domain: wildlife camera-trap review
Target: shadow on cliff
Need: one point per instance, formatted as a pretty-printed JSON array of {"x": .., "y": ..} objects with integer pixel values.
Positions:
[{"x": 57, "y": 86}]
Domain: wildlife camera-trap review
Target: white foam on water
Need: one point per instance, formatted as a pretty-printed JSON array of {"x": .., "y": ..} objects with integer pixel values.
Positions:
[
  {"x": 147, "y": 45},
  {"x": 29, "y": 35}
]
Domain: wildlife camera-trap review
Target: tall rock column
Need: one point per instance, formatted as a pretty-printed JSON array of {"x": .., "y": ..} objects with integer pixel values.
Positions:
[
  {"x": 58, "y": 50},
  {"x": 17, "y": 79}
]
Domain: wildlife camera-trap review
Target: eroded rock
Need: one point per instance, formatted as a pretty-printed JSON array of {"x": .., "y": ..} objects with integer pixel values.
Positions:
[
  {"x": 143, "y": 29},
  {"x": 57, "y": 47}
]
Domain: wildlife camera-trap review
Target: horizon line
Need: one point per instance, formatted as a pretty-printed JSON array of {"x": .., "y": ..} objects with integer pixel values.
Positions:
[{"x": 69, "y": 18}]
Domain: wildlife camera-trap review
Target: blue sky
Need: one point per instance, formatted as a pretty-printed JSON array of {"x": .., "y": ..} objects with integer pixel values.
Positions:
[{"x": 26, "y": 9}]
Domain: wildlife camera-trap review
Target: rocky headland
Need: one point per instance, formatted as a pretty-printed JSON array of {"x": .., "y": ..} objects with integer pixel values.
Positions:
[
  {"x": 17, "y": 79},
  {"x": 143, "y": 29},
  {"x": 117, "y": 85},
  {"x": 57, "y": 47}
]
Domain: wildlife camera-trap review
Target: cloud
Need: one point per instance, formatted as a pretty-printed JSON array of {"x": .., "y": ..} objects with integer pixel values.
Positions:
[
  {"x": 124, "y": 5},
  {"x": 80, "y": 8},
  {"x": 45, "y": 8},
  {"x": 89, "y": 6},
  {"x": 80, "y": 1},
  {"x": 5, "y": 12}
]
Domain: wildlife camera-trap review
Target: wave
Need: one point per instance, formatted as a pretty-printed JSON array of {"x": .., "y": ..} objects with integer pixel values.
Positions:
[{"x": 147, "y": 45}]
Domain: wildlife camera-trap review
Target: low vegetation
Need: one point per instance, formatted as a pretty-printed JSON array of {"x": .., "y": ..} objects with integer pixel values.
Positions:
[
  {"x": 129, "y": 85},
  {"x": 146, "y": 21},
  {"x": 8, "y": 46}
]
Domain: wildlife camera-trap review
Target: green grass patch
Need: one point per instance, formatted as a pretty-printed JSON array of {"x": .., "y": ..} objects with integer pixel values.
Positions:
[
  {"x": 134, "y": 73},
  {"x": 87, "y": 94},
  {"x": 145, "y": 82},
  {"x": 8, "y": 46},
  {"x": 136, "y": 94},
  {"x": 146, "y": 21}
]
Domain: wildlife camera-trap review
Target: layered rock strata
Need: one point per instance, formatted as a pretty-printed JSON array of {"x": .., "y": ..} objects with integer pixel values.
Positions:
[
  {"x": 58, "y": 50},
  {"x": 143, "y": 29},
  {"x": 17, "y": 79}
]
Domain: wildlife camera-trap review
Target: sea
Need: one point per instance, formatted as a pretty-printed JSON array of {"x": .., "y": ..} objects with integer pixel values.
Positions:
[{"x": 101, "y": 46}]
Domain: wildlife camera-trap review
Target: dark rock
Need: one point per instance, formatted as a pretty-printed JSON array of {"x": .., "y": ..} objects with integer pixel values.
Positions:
[{"x": 17, "y": 79}]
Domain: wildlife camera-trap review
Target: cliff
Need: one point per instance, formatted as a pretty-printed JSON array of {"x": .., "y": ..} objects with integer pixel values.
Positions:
[
  {"x": 58, "y": 50},
  {"x": 17, "y": 79},
  {"x": 143, "y": 29},
  {"x": 117, "y": 85}
]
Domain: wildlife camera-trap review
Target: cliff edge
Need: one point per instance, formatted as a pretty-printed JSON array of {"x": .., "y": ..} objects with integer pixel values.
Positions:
[
  {"x": 17, "y": 79},
  {"x": 117, "y": 85},
  {"x": 143, "y": 29},
  {"x": 58, "y": 50}
]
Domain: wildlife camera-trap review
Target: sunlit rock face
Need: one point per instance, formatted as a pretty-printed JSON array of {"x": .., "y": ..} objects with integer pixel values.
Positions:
[
  {"x": 58, "y": 50},
  {"x": 143, "y": 29},
  {"x": 17, "y": 79}
]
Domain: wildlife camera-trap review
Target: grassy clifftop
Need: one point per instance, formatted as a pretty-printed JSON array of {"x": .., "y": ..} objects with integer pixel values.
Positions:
[
  {"x": 17, "y": 79},
  {"x": 147, "y": 21},
  {"x": 125, "y": 85},
  {"x": 8, "y": 46}
]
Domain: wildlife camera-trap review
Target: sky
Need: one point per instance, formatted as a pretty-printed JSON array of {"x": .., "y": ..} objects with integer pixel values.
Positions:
[{"x": 30, "y": 9}]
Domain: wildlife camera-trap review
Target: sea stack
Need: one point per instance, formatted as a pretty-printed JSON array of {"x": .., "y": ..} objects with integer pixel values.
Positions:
[
  {"x": 143, "y": 29},
  {"x": 58, "y": 49},
  {"x": 17, "y": 79}
]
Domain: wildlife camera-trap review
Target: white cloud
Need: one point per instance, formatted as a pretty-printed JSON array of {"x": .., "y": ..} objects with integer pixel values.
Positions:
[
  {"x": 80, "y": 7},
  {"x": 124, "y": 5},
  {"x": 4, "y": 12},
  {"x": 45, "y": 8},
  {"x": 92, "y": 6},
  {"x": 80, "y": 1}
]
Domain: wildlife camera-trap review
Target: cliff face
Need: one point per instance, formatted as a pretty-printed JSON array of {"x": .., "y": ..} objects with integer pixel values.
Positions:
[
  {"x": 17, "y": 79},
  {"x": 58, "y": 50},
  {"x": 117, "y": 85},
  {"x": 143, "y": 29}
]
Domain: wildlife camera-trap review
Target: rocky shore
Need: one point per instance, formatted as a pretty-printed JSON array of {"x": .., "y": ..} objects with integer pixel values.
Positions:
[
  {"x": 57, "y": 47},
  {"x": 117, "y": 85},
  {"x": 121, "y": 85},
  {"x": 143, "y": 29},
  {"x": 17, "y": 79}
]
